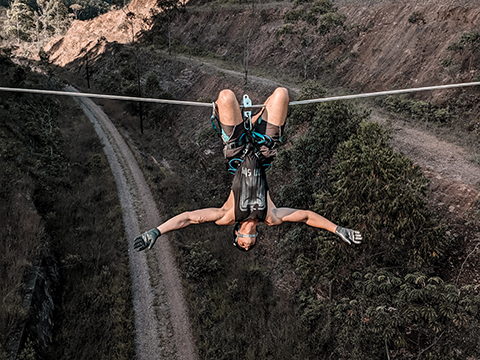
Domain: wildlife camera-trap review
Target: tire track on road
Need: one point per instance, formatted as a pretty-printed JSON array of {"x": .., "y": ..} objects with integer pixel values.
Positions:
[{"x": 161, "y": 321}]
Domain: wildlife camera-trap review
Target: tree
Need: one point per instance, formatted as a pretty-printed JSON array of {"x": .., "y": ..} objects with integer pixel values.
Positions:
[
  {"x": 77, "y": 9},
  {"x": 90, "y": 8},
  {"x": 382, "y": 192},
  {"x": 56, "y": 17},
  {"x": 20, "y": 21},
  {"x": 415, "y": 315},
  {"x": 310, "y": 156}
]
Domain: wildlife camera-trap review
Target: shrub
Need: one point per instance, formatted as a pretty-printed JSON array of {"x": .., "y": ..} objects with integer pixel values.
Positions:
[
  {"x": 416, "y": 18},
  {"x": 310, "y": 154},
  {"x": 200, "y": 262},
  {"x": 330, "y": 21},
  {"x": 382, "y": 193},
  {"x": 294, "y": 15},
  {"x": 416, "y": 108},
  {"x": 414, "y": 314}
]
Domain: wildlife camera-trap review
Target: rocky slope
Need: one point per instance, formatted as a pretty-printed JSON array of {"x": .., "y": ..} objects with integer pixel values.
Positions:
[
  {"x": 391, "y": 44},
  {"x": 90, "y": 36}
]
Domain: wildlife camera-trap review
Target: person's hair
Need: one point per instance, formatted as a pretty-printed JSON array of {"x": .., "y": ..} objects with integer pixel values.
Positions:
[{"x": 236, "y": 235}]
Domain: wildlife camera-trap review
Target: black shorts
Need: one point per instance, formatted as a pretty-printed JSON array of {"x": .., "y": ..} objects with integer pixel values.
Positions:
[{"x": 231, "y": 134}]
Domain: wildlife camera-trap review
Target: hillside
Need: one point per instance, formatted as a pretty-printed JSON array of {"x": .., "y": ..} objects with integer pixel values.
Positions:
[
  {"x": 385, "y": 44},
  {"x": 412, "y": 290},
  {"x": 90, "y": 36},
  {"x": 382, "y": 45}
]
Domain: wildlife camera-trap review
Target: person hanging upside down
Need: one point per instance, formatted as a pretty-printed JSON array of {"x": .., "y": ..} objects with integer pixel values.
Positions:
[{"x": 249, "y": 153}]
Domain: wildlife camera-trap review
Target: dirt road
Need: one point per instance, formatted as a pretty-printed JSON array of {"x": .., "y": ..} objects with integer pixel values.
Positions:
[{"x": 161, "y": 320}]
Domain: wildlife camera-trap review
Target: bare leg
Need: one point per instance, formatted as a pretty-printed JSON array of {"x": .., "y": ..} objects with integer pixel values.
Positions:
[
  {"x": 228, "y": 108},
  {"x": 276, "y": 108}
]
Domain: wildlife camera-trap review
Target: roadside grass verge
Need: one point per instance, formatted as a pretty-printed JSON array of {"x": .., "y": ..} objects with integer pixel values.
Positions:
[{"x": 58, "y": 197}]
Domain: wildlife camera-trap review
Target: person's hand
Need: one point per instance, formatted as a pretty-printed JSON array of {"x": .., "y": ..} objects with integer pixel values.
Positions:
[
  {"x": 146, "y": 240},
  {"x": 348, "y": 235}
]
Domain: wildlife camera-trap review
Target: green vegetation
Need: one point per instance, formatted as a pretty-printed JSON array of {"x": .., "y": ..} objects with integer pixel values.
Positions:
[
  {"x": 36, "y": 23},
  {"x": 310, "y": 155},
  {"x": 89, "y": 9},
  {"x": 308, "y": 20},
  {"x": 29, "y": 160},
  {"x": 381, "y": 299},
  {"x": 58, "y": 200},
  {"x": 416, "y": 18},
  {"x": 384, "y": 192},
  {"x": 26, "y": 21},
  {"x": 417, "y": 109},
  {"x": 469, "y": 40}
]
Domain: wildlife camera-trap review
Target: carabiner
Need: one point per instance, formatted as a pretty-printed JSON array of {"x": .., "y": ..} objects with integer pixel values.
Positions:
[{"x": 247, "y": 115}]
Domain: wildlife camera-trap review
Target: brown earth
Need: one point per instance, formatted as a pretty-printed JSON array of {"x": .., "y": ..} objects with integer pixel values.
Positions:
[
  {"x": 383, "y": 48},
  {"x": 122, "y": 26},
  {"x": 394, "y": 52}
]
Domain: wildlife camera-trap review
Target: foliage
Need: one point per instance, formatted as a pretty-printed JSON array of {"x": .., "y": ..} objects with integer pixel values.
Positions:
[
  {"x": 414, "y": 314},
  {"x": 382, "y": 193},
  {"x": 200, "y": 262},
  {"x": 242, "y": 318},
  {"x": 418, "y": 109},
  {"x": 45, "y": 19},
  {"x": 309, "y": 157},
  {"x": 20, "y": 20},
  {"x": 416, "y": 18},
  {"x": 30, "y": 151},
  {"x": 170, "y": 10},
  {"x": 85, "y": 221},
  {"x": 470, "y": 39},
  {"x": 62, "y": 199},
  {"x": 88, "y": 9}
]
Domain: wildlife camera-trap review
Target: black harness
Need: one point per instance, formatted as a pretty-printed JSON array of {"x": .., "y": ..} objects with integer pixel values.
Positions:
[{"x": 252, "y": 140}]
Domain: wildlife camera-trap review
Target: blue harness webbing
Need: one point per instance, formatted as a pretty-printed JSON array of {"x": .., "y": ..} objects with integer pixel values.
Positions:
[{"x": 252, "y": 139}]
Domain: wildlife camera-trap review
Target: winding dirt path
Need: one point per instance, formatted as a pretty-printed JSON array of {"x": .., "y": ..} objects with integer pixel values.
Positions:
[{"x": 161, "y": 320}]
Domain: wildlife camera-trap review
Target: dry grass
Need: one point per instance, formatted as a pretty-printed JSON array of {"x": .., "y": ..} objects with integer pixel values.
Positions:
[{"x": 57, "y": 195}]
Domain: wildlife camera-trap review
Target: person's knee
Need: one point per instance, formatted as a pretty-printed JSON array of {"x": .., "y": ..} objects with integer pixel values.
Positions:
[
  {"x": 226, "y": 97},
  {"x": 281, "y": 93}
]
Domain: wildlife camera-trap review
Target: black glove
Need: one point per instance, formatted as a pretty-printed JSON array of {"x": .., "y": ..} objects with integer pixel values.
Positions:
[
  {"x": 349, "y": 236},
  {"x": 147, "y": 239}
]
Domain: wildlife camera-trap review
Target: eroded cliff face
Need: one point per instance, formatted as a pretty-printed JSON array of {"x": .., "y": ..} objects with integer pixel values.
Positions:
[
  {"x": 383, "y": 45},
  {"x": 404, "y": 44},
  {"x": 90, "y": 36}
]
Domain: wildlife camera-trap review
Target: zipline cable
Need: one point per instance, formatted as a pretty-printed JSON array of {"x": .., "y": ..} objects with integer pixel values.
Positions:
[
  {"x": 103, "y": 96},
  {"x": 195, "y": 103},
  {"x": 382, "y": 93}
]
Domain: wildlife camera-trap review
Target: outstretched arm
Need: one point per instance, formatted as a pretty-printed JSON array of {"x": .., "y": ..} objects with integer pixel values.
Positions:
[
  {"x": 304, "y": 216},
  {"x": 315, "y": 220},
  {"x": 147, "y": 239},
  {"x": 191, "y": 217}
]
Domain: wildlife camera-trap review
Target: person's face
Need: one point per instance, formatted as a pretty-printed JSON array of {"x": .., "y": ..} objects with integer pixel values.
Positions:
[
  {"x": 246, "y": 242},
  {"x": 247, "y": 229}
]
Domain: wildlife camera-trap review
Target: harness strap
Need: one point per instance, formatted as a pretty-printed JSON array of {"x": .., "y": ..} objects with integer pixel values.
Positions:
[{"x": 252, "y": 139}]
